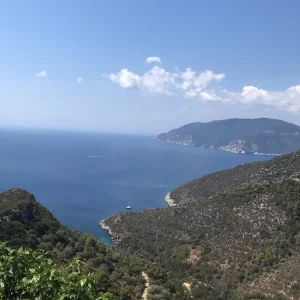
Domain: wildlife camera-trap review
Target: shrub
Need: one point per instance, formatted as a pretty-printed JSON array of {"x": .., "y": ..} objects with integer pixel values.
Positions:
[{"x": 28, "y": 274}]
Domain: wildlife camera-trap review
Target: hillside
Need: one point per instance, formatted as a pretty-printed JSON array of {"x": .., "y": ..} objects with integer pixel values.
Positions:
[
  {"x": 234, "y": 234},
  {"x": 26, "y": 223},
  {"x": 263, "y": 135},
  {"x": 240, "y": 245},
  {"x": 279, "y": 168}
]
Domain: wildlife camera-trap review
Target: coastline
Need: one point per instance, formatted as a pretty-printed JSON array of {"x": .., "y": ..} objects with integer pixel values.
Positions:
[
  {"x": 106, "y": 227},
  {"x": 272, "y": 154},
  {"x": 235, "y": 151},
  {"x": 250, "y": 153},
  {"x": 114, "y": 237},
  {"x": 169, "y": 200}
]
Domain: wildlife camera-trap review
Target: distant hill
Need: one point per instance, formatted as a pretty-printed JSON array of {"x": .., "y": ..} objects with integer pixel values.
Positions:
[
  {"x": 263, "y": 135},
  {"x": 233, "y": 234}
]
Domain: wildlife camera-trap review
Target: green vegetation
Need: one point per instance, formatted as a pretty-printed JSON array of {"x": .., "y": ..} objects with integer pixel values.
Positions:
[
  {"x": 24, "y": 223},
  {"x": 225, "y": 244},
  {"x": 278, "y": 169},
  {"x": 28, "y": 274},
  {"x": 234, "y": 235},
  {"x": 248, "y": 135}
]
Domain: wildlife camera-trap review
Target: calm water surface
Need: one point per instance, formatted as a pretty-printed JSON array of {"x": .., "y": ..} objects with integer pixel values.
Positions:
[{"x": 81, "y": 190}]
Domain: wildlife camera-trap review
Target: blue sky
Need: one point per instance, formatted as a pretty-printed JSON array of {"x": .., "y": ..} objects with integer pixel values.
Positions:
[{"x": 81, "y": 65}]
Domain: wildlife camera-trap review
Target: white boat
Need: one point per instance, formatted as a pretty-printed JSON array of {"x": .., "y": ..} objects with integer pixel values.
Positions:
[{"x": 128, "y": 207}]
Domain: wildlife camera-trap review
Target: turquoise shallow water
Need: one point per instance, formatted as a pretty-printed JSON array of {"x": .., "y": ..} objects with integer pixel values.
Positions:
[{"x": 124, "y": 170}]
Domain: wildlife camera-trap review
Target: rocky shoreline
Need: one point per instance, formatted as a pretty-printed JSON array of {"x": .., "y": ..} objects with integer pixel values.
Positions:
[
  {"x": 110, "y": 232},
  {"x": 169, "y": 200},
  {"x": 223, "y": 148},
  {"x": 105, "y": 227},
  {"x": 115, "y": 238}
]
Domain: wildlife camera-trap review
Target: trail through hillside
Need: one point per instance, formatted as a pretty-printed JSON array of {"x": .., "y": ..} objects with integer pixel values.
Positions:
[{"x": 147, "y": 286}]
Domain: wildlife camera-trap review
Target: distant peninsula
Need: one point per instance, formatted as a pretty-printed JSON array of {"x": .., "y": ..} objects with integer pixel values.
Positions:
[{"x": 247, "y": 136}]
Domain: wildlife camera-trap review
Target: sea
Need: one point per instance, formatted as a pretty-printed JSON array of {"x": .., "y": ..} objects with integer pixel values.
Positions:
[{"x": 84, "y": 177}]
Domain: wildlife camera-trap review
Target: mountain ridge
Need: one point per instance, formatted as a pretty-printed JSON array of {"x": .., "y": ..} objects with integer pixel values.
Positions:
[{"x": 252, "y": 136}]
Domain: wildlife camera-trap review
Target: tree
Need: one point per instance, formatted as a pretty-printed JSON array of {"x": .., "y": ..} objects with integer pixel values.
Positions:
[{"x": 28, "y": 274}]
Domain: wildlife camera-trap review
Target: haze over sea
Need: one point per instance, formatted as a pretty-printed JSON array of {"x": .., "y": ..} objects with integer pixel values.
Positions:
[{"x": 81, "y": 190}]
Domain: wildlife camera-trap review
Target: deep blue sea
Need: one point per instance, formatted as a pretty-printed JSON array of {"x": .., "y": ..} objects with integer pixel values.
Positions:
[{"x": 125, "y": 170}]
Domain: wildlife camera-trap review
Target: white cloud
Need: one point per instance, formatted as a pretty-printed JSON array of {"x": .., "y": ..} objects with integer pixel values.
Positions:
[
  {"x": 288, "y": 100},
  {"x": 79, "y": 79},
  {"x": 251, "y": 94},
  {"x": 42, "y": 74},
  {"x": 211, "y": 96},
  {"x": 157, "y": 80},
  {"x": 125, "y": 78},
  {"x": 202, "y": 86},
  {"x": 193, "y": 83},
  {"x": 152, "y": 59},
  {"x": 160, "y": 81}
]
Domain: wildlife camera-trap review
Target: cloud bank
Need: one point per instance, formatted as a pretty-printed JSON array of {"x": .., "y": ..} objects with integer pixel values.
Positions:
[
  {"x": 160, "y": 81},
  {"x": 204, "y": 86}
]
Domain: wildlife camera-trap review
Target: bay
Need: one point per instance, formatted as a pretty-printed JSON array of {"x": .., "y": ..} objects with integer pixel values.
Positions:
[{"x": 84, "y": 177}]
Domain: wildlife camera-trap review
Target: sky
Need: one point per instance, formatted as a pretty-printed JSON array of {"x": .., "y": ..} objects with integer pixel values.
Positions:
[{"x": 147, "y": 66}]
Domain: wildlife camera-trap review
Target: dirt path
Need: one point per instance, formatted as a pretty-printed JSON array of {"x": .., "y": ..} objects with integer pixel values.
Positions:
[
  {"x": 147, "y": 286},
  {"x": 187, "y": 286}
]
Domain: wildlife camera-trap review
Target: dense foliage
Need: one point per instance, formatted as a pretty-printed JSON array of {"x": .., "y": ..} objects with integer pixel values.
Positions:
[
  {"x": 225, "y": 244},
  {"x": 28, "y": 274},
  {"x": 26, "y": 223},
  {"x": 261, "y": 135},
  {"x": 234, "y": 235},
  {"x": 278, "y": 169}
]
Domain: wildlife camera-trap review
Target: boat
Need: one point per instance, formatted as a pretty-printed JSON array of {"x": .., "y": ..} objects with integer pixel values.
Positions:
[{"x": 128, "y": 207}]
